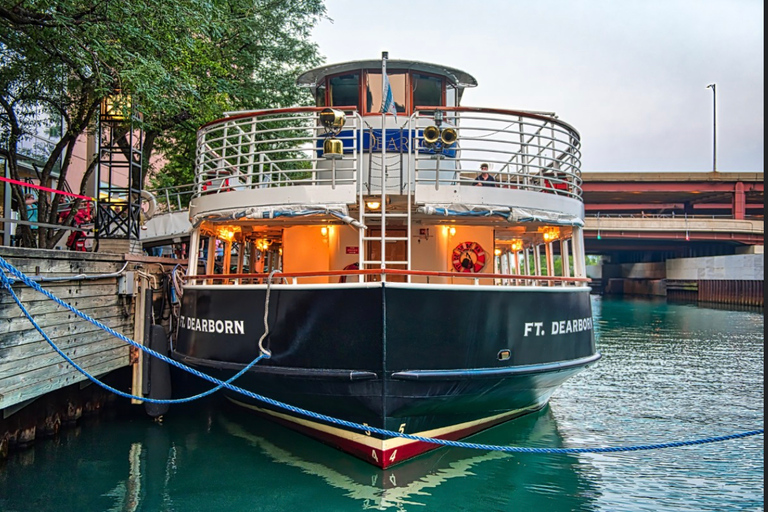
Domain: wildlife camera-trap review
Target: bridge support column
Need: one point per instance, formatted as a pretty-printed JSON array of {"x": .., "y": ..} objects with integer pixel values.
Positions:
[{"x": 739, "y": 201}]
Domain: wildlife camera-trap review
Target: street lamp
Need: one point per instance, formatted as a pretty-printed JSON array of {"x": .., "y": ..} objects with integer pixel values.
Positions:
[{"x": 714, "y": 127}]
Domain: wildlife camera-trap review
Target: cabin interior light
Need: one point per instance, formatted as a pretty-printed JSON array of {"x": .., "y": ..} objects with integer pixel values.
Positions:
[
  {"x": 324, "y": 230},
  {"x": 497, "y": 251},
  {"x": 452, "y": 230},
  {"x": 373, "y": 205},
  {"x": 262, "y": 244},
  {"x": 516, "y": 245},
  {"x": 227, "y": 233},
  {"x": 550, "y": 233}
]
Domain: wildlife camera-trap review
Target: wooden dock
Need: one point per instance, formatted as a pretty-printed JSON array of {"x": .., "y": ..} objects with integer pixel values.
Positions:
[{"x": 38, "y": 388}]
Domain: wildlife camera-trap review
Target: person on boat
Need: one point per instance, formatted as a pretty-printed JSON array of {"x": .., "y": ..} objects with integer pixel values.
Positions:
[{"x": 484, "y": 179}]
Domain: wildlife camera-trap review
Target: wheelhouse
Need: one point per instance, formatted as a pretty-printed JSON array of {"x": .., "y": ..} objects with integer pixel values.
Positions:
[{"x": 359, "y": 84}]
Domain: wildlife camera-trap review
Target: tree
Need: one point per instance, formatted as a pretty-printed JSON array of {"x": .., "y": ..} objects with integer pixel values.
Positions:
[{"x": 183, "y": 62}]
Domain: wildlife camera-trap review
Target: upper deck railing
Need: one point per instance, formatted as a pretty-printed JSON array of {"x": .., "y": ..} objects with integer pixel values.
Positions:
[{"x": 284, "y": 147}]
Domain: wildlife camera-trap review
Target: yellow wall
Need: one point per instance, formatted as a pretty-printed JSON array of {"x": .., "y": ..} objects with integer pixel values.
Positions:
[
  {"x": 343, "y": 236},
  {"x": 305, "y": 249},
  {"x": 434, "y": 253}
]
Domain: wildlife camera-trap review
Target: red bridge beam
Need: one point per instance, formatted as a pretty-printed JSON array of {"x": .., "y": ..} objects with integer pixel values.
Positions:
[
  {"x": 591, "y": 207},
  {"x": 700, "y": 186}
]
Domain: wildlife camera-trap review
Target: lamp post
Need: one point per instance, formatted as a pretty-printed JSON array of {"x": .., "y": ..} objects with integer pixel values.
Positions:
[{"x": 714, "y": 127}]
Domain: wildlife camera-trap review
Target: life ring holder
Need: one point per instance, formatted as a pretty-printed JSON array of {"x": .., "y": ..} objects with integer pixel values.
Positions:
[
  {"x": 149, "y": 199},
  {"x": 468, "y": 257}
]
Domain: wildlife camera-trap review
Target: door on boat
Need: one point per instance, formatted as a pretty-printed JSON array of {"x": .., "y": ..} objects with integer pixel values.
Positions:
[{"x": 396, "y": 250}]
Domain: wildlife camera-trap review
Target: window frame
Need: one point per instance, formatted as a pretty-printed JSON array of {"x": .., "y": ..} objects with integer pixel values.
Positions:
[{"x": 361, "y": 89}]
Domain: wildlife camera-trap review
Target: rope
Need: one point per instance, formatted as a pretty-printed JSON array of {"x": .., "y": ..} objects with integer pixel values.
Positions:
[
  {"x": 267, "y": 353},
  {"x": 8, "y": 268},
  {"x": 6, "y": 281}
]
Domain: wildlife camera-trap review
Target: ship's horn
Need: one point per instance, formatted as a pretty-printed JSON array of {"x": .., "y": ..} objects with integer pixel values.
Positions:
[
  {"x": 448, "y": 136},
  {"x": 431, "y": 134},
  {"x": 333, "y": 148}
]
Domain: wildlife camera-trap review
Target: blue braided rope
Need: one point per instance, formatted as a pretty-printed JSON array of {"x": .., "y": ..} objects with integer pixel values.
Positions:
[
  {"x": 7, "y": 267},
  {"x": 6, "y": 283}
]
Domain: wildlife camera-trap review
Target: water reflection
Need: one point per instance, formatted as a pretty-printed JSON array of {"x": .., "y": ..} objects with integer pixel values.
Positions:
[
  {"x": 241, "y": 462},
  {"x": 415, "y": 483}
]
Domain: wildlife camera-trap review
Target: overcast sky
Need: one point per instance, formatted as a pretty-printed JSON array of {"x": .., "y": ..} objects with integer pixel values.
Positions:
[{"x": 630, "y": 75}]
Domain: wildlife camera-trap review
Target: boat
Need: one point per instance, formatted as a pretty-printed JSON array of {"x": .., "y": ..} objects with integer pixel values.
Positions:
[{"x": 351, "y": 245}]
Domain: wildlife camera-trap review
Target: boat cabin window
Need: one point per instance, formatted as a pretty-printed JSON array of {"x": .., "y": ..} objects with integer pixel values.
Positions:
[
  {"x": 373, "y": 91},
  {"x": 410, "y": 90},
  {"x": 320, "y": 96},
  {"x": 344, "y": 90},
  {"x": 450, "y": 96},
  {"x": 427, "y": 90}
]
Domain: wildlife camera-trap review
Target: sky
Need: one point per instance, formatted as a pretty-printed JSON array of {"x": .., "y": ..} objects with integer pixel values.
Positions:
[{"x": 630, "y": 75}]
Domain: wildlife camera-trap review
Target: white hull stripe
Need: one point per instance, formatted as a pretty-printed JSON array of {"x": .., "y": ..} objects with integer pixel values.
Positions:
[{"x": 392, "y": 443}]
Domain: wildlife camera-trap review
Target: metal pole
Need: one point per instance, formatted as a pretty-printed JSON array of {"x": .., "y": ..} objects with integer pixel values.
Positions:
[
  {"x": 384, "y": 57},
  {"x": 714, "y": 127}
]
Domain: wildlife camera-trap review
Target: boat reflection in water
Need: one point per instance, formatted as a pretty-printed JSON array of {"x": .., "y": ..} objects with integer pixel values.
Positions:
[
  {"x": 429, "y": 481},
  {"x": 230, "y": 460}
]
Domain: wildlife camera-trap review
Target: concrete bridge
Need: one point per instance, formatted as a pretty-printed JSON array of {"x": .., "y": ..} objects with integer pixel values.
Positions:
[
  {"x": 681, "y": 214},
  {"x": 693, "y": 236}
]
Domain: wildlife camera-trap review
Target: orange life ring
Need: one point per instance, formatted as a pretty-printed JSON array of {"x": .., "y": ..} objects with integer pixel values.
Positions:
[{"x": 468, "y": 257}]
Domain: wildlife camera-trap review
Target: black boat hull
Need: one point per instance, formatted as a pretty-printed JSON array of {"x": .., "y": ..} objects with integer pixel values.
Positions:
[{"x": 442, "y": 362}]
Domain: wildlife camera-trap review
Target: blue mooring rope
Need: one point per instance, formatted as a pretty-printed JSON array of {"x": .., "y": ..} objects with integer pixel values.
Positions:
[{"x": 7, "y": 283}]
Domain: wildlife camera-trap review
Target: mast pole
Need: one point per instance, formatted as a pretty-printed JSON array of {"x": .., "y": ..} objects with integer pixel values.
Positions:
[{"x": 384, "y": 57}]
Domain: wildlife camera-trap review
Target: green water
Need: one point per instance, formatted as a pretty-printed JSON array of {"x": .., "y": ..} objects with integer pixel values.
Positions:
[{"x": 669, "y": 372}]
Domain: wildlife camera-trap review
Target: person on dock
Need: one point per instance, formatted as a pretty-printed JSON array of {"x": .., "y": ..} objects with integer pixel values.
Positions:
[
  {"x": 31, "y": 203},
  {"x": 76, "y": 240}
]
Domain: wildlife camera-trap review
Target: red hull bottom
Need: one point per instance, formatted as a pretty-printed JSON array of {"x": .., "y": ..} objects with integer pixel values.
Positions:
[{"x": 384, "y": 453}]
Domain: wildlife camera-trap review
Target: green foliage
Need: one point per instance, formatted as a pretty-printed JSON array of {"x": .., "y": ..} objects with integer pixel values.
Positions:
[{"x": 183, "y": 62}]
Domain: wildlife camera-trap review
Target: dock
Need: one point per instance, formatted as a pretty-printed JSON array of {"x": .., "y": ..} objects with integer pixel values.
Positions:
[{"x": 39, "y": 390}]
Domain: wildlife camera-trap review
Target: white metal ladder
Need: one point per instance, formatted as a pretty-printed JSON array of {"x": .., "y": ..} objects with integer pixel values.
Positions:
[{"x": 384, "y": 216}]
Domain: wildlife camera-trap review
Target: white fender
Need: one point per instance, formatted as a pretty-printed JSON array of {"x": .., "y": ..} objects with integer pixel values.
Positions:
[{"x": 151, "y": 201}]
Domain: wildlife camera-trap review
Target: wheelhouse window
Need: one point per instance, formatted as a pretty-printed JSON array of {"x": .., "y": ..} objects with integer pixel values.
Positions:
[
  {"x": 320, "y": 96},
  {"x": 451, "y": 99},
  {"x": 344, "y": 90},
  {"x": 427, "y": 90},
  {"x": 373, "y": 97}
]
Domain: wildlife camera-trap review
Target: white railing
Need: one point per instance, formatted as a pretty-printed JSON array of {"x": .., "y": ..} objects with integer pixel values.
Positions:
[
  {"x": 525, "y": 150},
  {"x": 270, "y": 148},
  {"x": 284, "y": 147}
]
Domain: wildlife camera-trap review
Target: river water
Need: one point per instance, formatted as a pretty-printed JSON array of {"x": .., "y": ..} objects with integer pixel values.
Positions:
[{"x": 668, "y": 373}]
